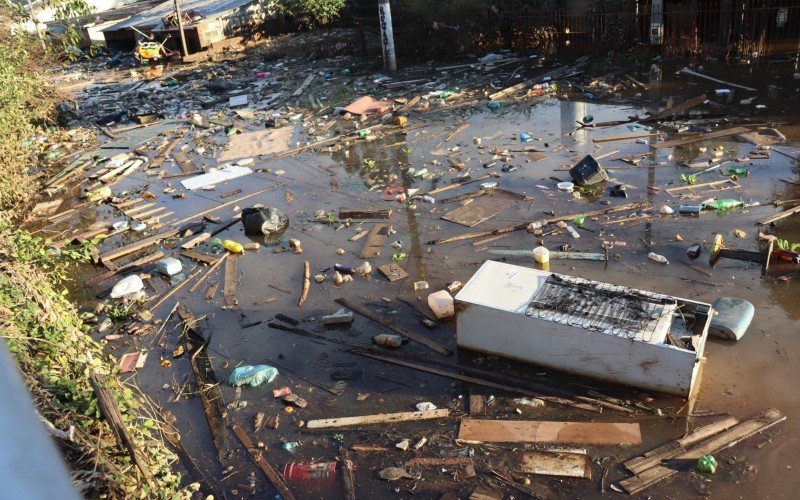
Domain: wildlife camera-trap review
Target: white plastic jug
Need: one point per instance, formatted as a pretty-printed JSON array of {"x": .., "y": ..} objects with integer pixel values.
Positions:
[{"x": 541, "y": 254}]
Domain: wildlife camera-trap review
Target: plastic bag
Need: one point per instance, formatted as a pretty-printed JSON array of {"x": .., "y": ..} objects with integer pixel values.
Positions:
[{"x": 252, "y": 375}]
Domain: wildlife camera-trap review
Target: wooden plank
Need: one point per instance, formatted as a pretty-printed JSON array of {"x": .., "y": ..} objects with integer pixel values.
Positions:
[
  {"x": 477, "y": 404},
  {"x": 438, "y": 462},
  {"x": 348, "y": 469},
  {"x": 128, "y": 171},
  {"x": 133, "y": 247},
  {"x": 688, "y": 459},
  {"x": 410, "y": 104},
  {"x": 195, "y": 241},
  {"x": 456, "y": 132},
  {"x": 639, "y": 205},
  {"x": 392, "y": 272},
  {"x": 149, "y": 213},
  {"x": 382, "y": 418},
  {"x": 554, "y": 464},
  {"x": 200, "y": 257},
  {"x": 687, "y": 71},
  {"x": 185, "y": 163},
  {"x": 147, "y": 259},
  {"x": 229, "y": 289},
  {"x": 364, "y": 214},
  {"x": 114, "y": 171},
  {"x": 138, "y": 208},
  {"x": 212, "y": 290},
  {"x": 128, "y": 203},
  {"x": 209, "y": 272},
  {"x": 493, "y": 385},
  {"x": 508, "y": 91},
  {"x": 207, "y": 384},
  {"x": 164, "y": 153},
  {"x": 416, "y": 337},
  {"x": 479, "y": 211},
  {"x": 375, "y": 240},
  {"x": 227, "y": 204},
  {"x": 700, "y": 137},
  {"x": 531, "y": 431},
  {"x": 700, "y": 189},
  {"x": 671, "y": 111},
  {"x": 305, "y": 84},
  {"x": 655, "y": 456},
  {"x": 779, "y": 216},
  {"x": 110, "y": 410},
  {"x": 628, "y": 137},
  {"x": 257, "y": 455}
]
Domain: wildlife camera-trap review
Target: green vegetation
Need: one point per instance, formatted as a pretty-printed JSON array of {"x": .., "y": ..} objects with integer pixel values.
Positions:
[
  {"x": 310, "y": 13},
  {"x": 690, "y": 179},
  {"x": 38, "y": 323}
]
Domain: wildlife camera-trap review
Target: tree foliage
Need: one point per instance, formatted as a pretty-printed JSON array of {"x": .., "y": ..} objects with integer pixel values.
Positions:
[{"x": 310, "y": 13}]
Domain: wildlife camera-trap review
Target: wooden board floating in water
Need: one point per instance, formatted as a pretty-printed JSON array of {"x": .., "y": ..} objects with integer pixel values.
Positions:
[
  {"x": 532, "y": 431},
  {"x": 554, "y": 464},
  {"x": 392, "y": 272},
  {"x": 695, "y": 190},
  {"x": 688, "y": 459},
  {"x": 669, "y": 450},
  {"x": 478, "y": 211},
  {"x": 375, "y": 241},
  {"x": 383, "y": 418},
  {"x": 700, "y": 137},
  {"x": 229, "y": 290}
]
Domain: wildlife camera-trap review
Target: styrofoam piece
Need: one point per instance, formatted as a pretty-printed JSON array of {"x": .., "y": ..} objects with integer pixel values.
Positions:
[{"x": 221, "y": 175}]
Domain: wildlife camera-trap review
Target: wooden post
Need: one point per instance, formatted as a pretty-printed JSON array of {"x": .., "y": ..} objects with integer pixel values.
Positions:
[
  {"x": 180, "y": 27},
  {"x": 387, "y": 35}
]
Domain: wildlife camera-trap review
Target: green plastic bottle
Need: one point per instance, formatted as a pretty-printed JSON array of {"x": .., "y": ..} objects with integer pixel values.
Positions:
[
  {"x": 737, "y": 171},
  {"x": 723, "y": 204}
]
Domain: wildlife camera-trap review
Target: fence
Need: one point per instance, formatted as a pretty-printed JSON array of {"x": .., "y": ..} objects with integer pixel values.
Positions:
[{"x": 724, "y": 27}]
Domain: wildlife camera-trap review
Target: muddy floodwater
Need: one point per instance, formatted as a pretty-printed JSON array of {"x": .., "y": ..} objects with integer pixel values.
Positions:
[{"x": 739, "y": 378}]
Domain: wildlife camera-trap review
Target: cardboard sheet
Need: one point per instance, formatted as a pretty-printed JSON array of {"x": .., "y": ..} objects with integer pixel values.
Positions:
[
  {"x": 261, "y": 142},
  {"x": 366, "y": 105}
]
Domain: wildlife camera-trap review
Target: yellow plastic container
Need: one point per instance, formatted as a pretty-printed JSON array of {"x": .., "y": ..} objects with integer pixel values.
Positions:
[
  {"x": 232, "y": 246},
  {"x": 541, "y": 254}
]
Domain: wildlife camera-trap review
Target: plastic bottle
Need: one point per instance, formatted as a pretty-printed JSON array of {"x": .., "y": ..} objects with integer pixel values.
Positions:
[
  {"x": 723, "y": 204},
  {"x": 657, "y": 258},
  {"x": 428, "y": 199},
  {"x": 737, "y": 170},
  {"x": 388, "y": 340},
  {"x": 216, "y": 245},
  {"x": 573, "y": 232},
  {"x": 233, "y": 246}
]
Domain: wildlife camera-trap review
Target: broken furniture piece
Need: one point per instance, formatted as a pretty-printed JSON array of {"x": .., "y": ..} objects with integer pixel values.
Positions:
[
  {"x": 759, "y": 257},
  {"x": 586, "y": 327}
]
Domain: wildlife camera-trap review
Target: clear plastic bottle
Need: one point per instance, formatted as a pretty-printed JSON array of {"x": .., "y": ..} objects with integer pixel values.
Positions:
[
  {"x": 388, "y": 340},
  {"x": 657, "y": 258}
]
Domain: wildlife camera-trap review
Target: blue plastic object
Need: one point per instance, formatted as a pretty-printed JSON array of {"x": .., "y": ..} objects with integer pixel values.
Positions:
[
  {"x": 523, "y": 137},
  {"x": 252, "y": 375},
  {"x": 732, "y": 319}
]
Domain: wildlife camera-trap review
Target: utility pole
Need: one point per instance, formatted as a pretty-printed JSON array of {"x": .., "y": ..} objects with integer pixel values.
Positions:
[
  {"x": 387, "y": 35},
  {"x": 180, "y": 27}
]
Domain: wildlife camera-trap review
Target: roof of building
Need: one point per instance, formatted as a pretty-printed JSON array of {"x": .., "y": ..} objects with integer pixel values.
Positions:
[{"x": 208, "y": 9}]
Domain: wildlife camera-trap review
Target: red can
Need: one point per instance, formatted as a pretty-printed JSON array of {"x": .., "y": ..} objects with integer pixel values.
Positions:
[{"x": 304, "y": 472}]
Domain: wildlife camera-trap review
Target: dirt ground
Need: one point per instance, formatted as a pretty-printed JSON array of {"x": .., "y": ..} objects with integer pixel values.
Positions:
[{"x": 739, "y": 378}]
